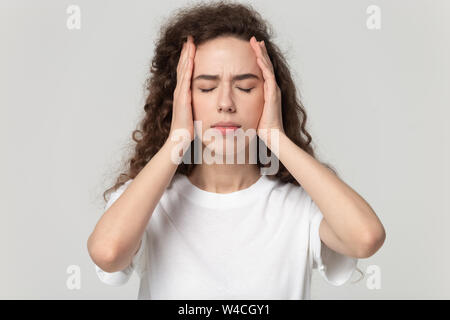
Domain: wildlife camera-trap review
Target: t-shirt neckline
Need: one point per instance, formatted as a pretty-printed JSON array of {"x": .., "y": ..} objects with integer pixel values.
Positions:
[{"x": 220, "y": 200}]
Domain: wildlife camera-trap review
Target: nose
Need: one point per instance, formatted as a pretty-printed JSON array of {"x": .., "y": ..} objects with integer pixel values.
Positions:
[
  {"x": 227, "y": 109},
  {"x": 225, "y": 101}
]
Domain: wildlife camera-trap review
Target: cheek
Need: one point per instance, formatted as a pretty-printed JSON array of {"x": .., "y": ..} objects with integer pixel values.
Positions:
[
  {"x": 201, "y": 111},
  {"x": 257, "y": 99},
  {"x": 255, "y": 105},
  {"x": 200, "y": 105}
]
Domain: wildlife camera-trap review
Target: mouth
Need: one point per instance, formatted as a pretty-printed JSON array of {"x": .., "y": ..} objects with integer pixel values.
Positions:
[
  {"x": 226, "y": 127},
  {"x": 225, "y": 130}
]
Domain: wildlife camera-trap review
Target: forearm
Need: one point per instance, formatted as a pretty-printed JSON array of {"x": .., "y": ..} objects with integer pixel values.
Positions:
[
  {"x": 346, "y": 212},
  {"x": 117, "y": 235}
]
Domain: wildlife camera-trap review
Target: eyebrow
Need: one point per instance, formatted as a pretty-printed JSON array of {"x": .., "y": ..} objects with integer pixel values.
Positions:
[{"x": 216, "y": 77}]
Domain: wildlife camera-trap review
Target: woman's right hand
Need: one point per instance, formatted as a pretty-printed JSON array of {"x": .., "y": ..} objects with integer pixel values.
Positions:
[{"x": 182, "y": 117}]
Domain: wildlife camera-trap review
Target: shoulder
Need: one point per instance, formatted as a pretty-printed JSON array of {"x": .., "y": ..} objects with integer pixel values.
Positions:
[
  {"x": 288, "y": 189},
  {"x": 121, "y": 188},
  {"x": 115, "y": 194},
  {"x": 288, "y": 194}
]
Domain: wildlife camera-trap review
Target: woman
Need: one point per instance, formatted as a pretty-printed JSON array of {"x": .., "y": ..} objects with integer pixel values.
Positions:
[{"x": 216, "y": 230}]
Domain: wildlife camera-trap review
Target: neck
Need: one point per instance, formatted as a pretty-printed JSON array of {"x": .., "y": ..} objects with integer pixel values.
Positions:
[{"x": 224, "y": 178}]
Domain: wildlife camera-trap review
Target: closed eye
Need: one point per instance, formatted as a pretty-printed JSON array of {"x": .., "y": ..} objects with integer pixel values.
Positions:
[
  {"x": 206, "y": 90},
  {"x": 242, "y": 89},
  {"x": 246, "y": 90}
]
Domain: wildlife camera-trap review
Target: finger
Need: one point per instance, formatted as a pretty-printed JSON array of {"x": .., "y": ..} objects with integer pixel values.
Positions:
[
  {"x": 264, "y": 60},
  {"x": 264, "y": 66},
  {"x": 186, "y": 68},
  {"x": 190, "y": 51},
  {"x": 185, "y": 83},
  {"x": 266, "y": 55},
  {"x": 184, "y": 61},
  {"x": 268, "y": 75},
  {"x": 187, "y": 72},
  {"x": 257, "y": 47},
  {"x": 181, "y": 60},
  {"x": 186, "y": 55},
  {"x": 263, "y": 49}
]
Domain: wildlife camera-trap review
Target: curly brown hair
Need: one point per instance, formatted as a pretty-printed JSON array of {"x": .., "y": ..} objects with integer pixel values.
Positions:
[{"x": 206, "y": 21}]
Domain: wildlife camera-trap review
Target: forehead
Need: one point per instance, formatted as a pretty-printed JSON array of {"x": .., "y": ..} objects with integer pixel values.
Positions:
[{"x": 225, "y": 56}]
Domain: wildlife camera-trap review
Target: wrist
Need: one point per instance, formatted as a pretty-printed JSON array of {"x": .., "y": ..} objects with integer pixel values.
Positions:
[
  {"x": 271, "y": 137},
  {"x": 176, "y": 148}
]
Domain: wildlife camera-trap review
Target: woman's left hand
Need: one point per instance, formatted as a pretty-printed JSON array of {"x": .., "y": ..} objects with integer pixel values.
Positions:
[{"x": 271, "y": 117}]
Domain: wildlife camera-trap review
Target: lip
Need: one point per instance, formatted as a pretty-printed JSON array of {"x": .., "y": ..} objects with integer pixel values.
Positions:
[
  {"x": 225, "y": 130},
  {"x": 222, "y": 124}
]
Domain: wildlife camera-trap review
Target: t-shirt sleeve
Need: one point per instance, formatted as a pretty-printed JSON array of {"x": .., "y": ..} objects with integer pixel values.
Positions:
[
  {"x": 138, "y": 263},
  {"x": 335, "y": 268}
]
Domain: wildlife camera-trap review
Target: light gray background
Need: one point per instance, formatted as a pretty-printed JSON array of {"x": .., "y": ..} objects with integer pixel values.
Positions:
[{"x": 377, "y": 104}]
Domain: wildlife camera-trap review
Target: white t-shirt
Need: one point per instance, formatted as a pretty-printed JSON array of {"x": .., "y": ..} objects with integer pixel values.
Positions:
[{"x": 261, "y": 242}]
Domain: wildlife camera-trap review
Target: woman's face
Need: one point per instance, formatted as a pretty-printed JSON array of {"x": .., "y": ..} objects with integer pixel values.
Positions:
[{"x": 240, "y": 100}]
